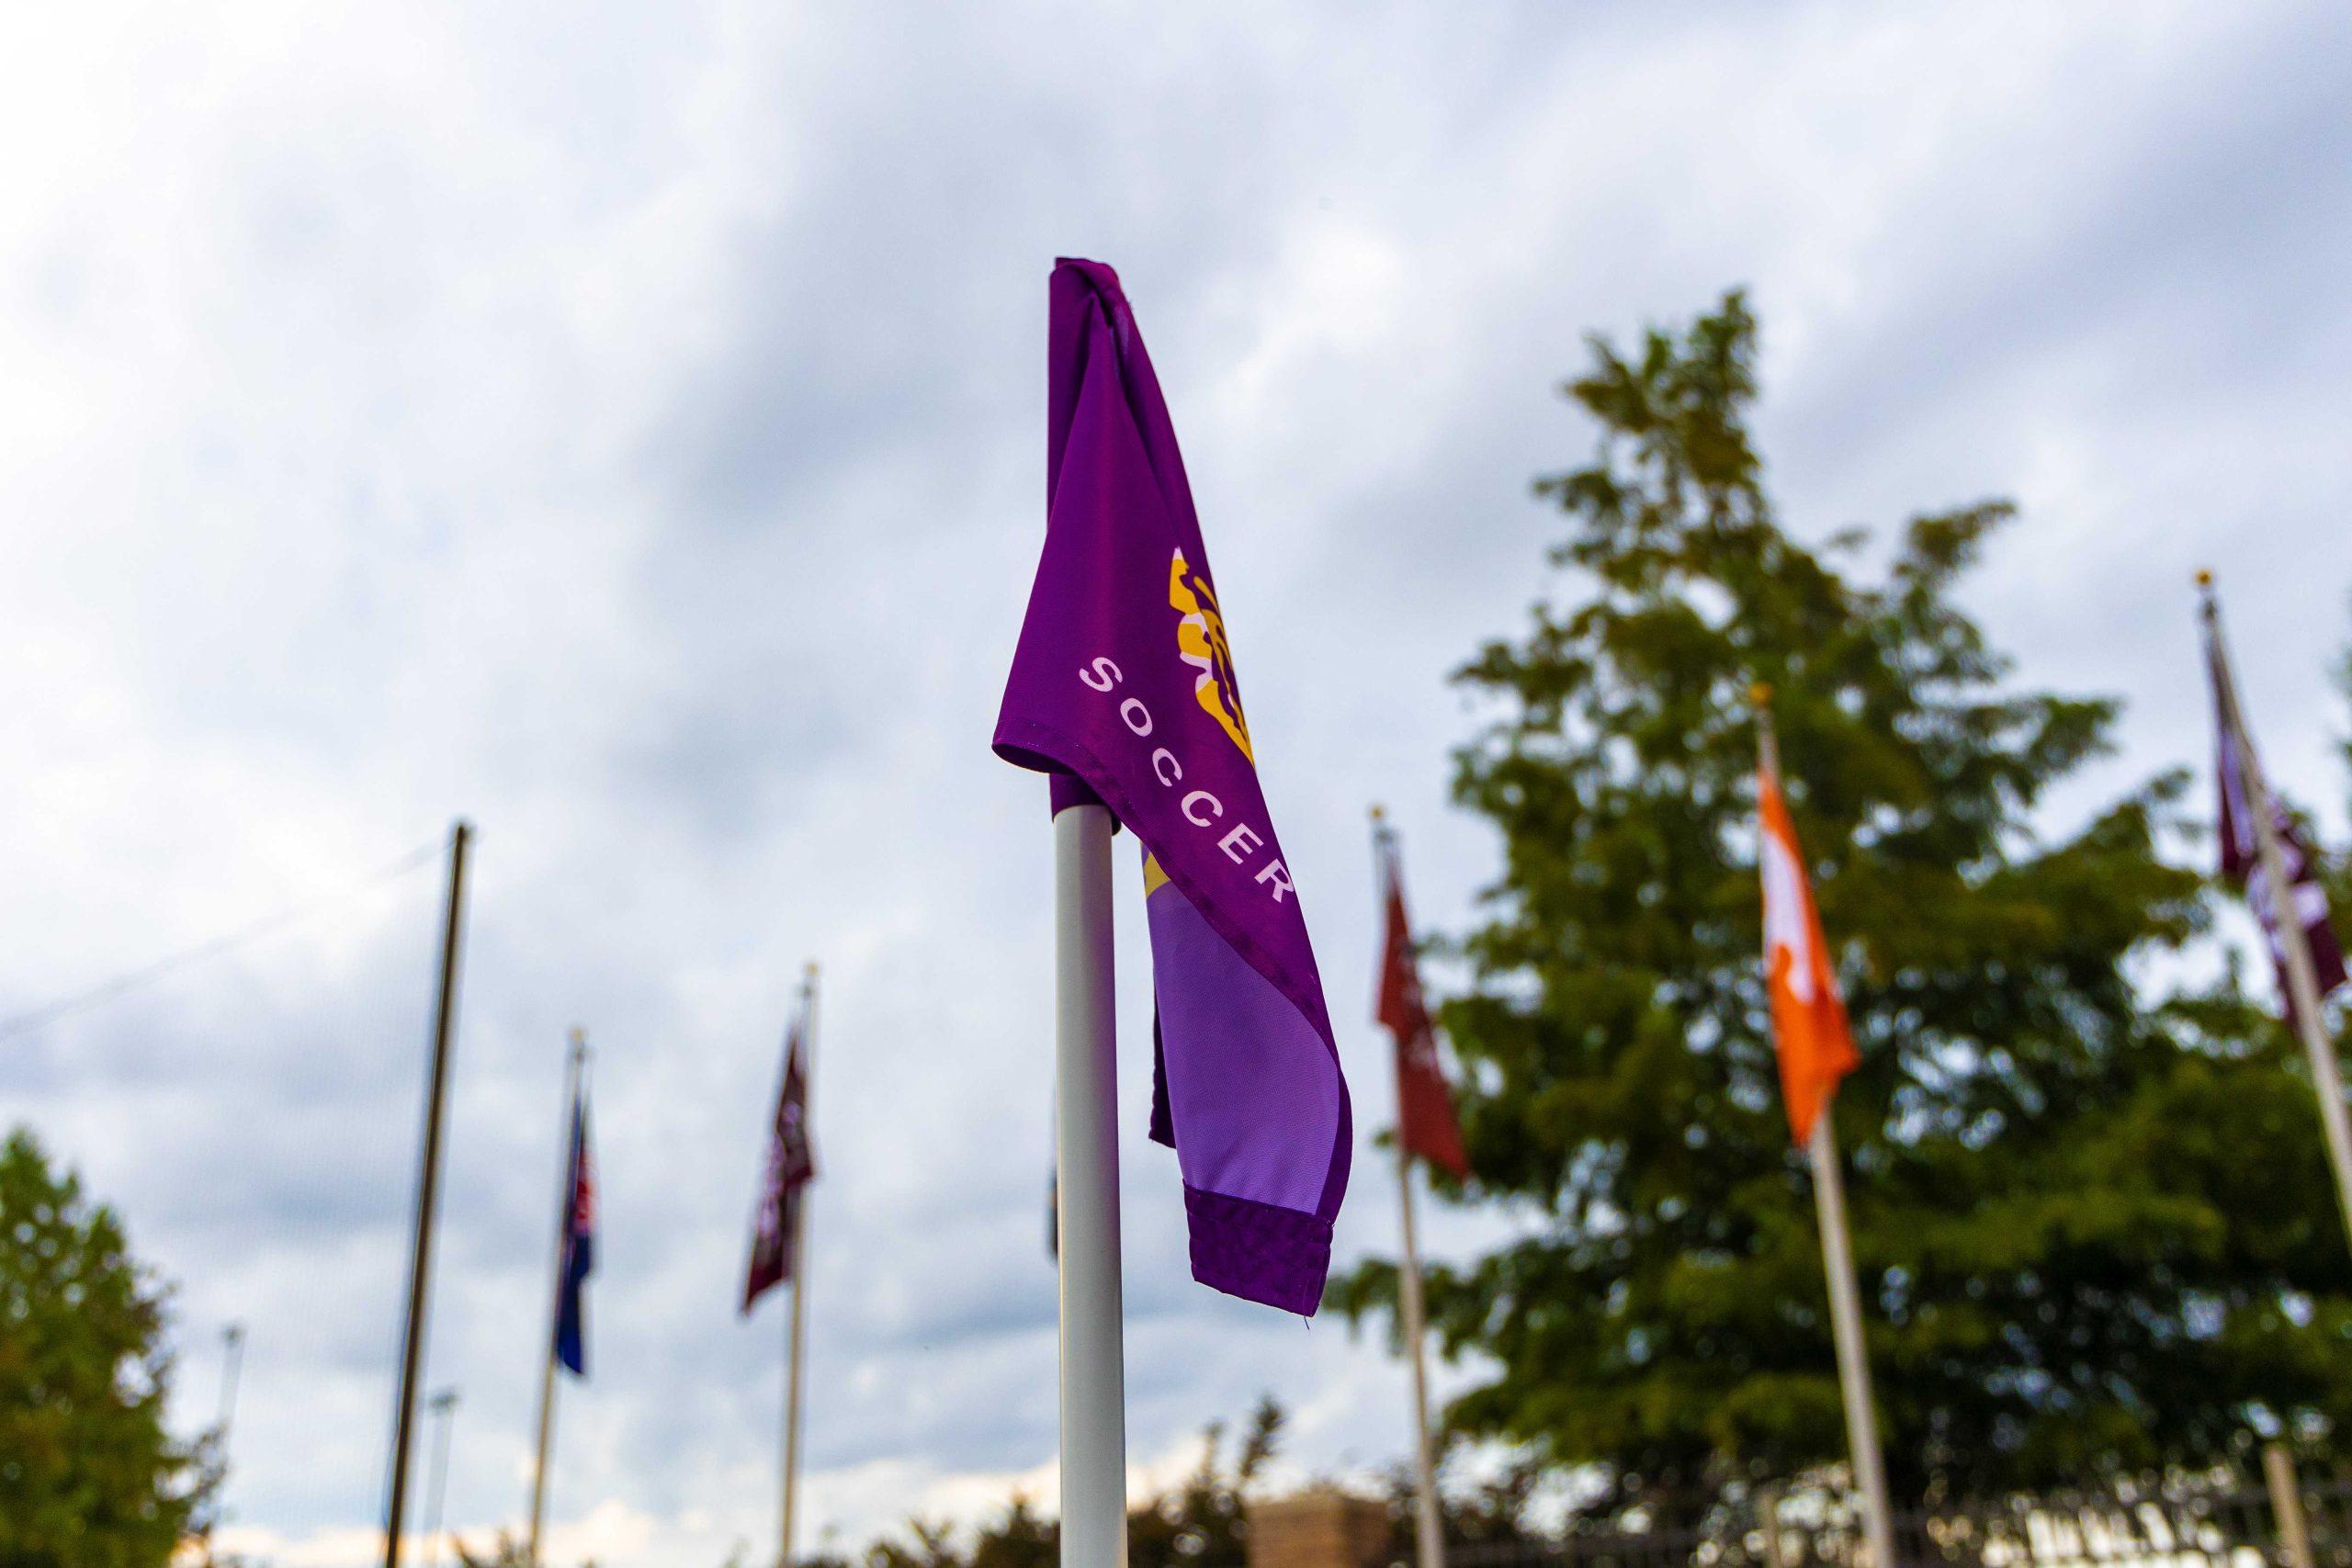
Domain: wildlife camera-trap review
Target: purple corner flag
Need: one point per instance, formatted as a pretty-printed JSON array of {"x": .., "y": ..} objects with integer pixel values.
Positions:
[{"x": 1123, "y": 686}]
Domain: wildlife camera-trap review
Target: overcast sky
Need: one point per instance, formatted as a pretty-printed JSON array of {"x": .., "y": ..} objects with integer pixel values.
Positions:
[{"x": 623, "y": 426}]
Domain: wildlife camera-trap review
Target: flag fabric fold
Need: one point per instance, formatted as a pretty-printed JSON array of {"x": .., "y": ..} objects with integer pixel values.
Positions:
[
  {"x": 579, "y": 1246},
  {"x": 1122, "y": 688},
  {"x": 2242, "y": 860},
  {"x": 1426, "y": 1127},
  {"x": 791, "y": 1166},
  {"x": 1810, "y": 1033}
]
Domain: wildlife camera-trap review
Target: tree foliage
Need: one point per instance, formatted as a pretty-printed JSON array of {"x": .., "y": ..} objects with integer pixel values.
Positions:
[
  {"x": 1199, "y": 1523},
  {"x": 2093, "y": 1221},
  {"x": 88, "y": 1476},
  {"x": 507, "y": 1549}
]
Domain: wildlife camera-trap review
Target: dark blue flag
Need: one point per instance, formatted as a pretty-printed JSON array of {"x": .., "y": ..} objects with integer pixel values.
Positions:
[{"x": 579, "y": 1246}]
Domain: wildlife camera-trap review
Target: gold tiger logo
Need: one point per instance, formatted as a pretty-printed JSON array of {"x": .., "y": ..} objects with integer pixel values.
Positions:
[{"x": 1199, "y": 642}]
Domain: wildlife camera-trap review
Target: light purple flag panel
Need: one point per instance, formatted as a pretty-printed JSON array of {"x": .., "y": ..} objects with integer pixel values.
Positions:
[{"x": 1122, "y": 689}]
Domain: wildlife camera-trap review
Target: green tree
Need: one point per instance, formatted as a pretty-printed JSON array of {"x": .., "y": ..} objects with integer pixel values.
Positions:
[
  {"x": 508, "y": 1551},
  {"x": 1204, "y": 1519},
  {"x": 2093, "y": 1219},
  {"x": 1020, "y": 1538},
  {"x": 1494, "y": 1513},
  {"x": 1200, "y": 1523},
  {"x": 88, "y": 1476}
]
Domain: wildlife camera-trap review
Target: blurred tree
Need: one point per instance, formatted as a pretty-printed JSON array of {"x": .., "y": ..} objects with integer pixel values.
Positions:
[
  {"x": 1202, "y": 1523},
  {"x": 88, "y": 1476},
  {"x": 1021, "y": 1537},
  {"x": 929, "y": 1544},
  {"x": 1203, "y": 1520},
  {"x": 505, "y": 1551},
  {"x": 1494, "y": 1514},
  {"x": 2092, "y": 1214}
]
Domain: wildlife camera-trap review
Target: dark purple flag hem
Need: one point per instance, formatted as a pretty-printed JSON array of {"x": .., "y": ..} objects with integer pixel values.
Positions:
[
  {"x": 1123, "y": 685},
  {"x": 2241, "y": 863}
]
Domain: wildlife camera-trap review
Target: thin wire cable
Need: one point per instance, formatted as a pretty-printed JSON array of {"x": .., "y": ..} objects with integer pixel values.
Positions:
[{"x": 133, "y": 981}]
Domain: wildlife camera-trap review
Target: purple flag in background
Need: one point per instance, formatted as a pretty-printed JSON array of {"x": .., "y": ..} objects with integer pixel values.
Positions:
[
  {"x": 1123, "y": 685},
  {"x": 2241, "y": 863}
]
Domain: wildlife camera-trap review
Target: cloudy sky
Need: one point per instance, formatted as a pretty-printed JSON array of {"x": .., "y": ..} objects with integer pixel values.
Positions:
[{"x": 622, "y": 425}]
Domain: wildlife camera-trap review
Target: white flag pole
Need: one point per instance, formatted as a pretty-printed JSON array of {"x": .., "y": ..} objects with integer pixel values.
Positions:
[
  {"x": 1838, "y": 1262},
  {"x": 2294, "y": 942},
  {"x": 555, "y": 1298},
  {"x": 1427, "y": 1526},
  {"x": 798, "y": 1330},
  {"x": 1086, "y": 1152}
]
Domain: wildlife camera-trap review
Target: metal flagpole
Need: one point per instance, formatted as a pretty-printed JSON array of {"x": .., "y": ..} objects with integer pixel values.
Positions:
[
  {"x": 2294, "y": 942},
  {"x": 1854, "y": 1366},
  {"x": 1428, "y": 1527},
  {"x": 1838, "y": 1262},
  {"x": 797, "y": 1332},
  {"x": 1085, "y": 1148},
  {"x": 444, "y": 1406},
  {"x": 428, "y": 1194},
  {"x": 573, "y": 1064},
  {"x": 232, "y": 1360}
]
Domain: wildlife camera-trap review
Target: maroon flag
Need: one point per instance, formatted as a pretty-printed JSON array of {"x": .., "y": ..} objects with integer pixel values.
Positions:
[
  {"x": 2241, "y": 863},
  {"x": 792, "y": 1163},
  {"x": 1426, "y": 1125}
]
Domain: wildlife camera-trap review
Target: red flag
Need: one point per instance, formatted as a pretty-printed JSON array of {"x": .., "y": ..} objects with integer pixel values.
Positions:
[
  {"x": 791, "y": 1163},
  {"x": 1816, "y": 1047},
  {"x": 1426, "y": 1125}
]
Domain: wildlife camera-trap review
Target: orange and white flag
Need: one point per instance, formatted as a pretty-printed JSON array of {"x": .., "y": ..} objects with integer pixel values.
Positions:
[{"x": 1809, "y": 1029}]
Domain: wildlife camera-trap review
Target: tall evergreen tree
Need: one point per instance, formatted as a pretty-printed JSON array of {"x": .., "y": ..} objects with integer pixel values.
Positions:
[
  {"x": 2091, "y": 1213},
  {"x": 88, "y": 1476}
]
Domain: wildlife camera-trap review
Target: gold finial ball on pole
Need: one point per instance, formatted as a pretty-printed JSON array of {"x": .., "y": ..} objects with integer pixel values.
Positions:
[
  {"x": 2204, "y": 577},
  {"x": 810, "y": 972},
  {"x": 1379, "y": 814},
  {"x": 1760, "y": 693}
]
